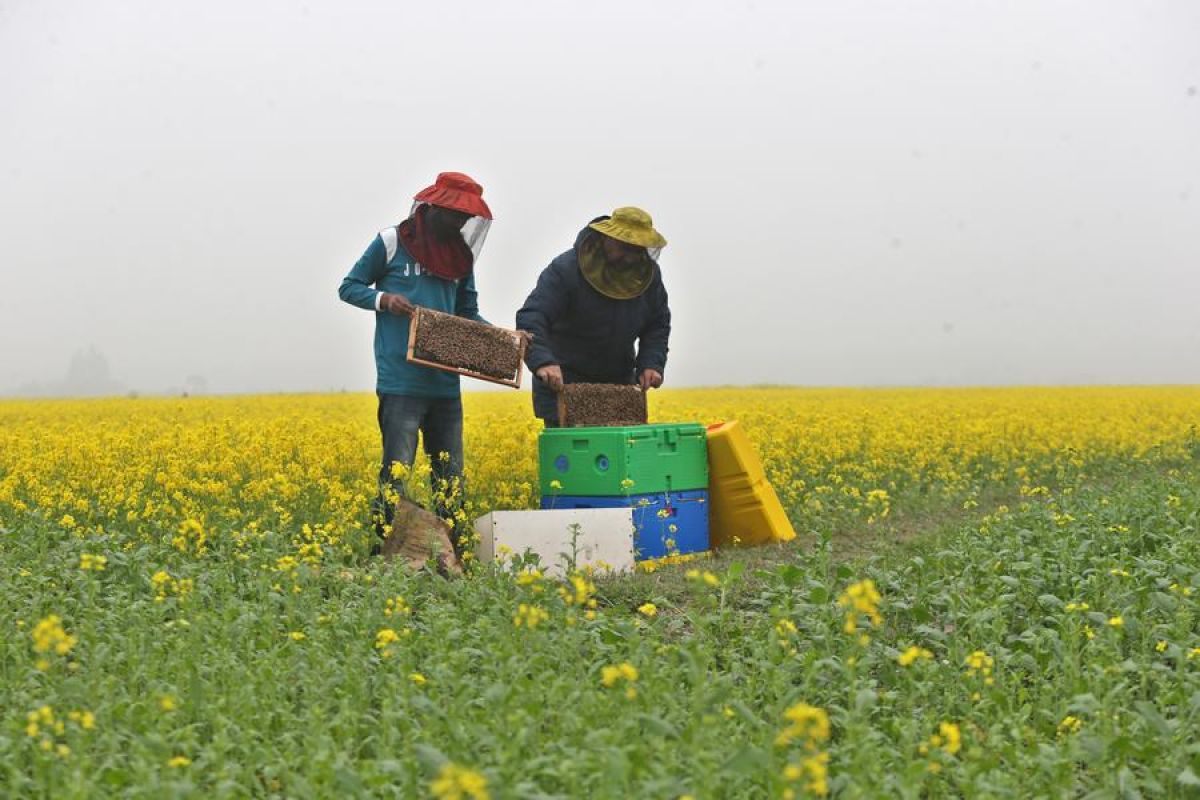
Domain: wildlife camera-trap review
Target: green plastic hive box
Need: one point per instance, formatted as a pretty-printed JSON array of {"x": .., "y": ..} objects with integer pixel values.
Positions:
[{"x": 629, "y": 460}]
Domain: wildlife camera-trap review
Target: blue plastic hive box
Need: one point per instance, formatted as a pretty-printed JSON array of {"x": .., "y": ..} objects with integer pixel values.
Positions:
[{"x": 672, "y": 523}]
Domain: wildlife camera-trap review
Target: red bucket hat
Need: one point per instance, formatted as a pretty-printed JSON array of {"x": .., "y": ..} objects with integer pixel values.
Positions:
[{"x": 456, "y": 191}]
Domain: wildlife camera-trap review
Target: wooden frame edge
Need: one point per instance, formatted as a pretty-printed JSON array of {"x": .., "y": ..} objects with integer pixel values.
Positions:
[{"x": 514, "y": 382}]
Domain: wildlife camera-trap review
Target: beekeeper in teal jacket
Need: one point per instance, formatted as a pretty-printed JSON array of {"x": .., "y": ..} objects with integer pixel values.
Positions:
[{"x": 427, "y": 260}]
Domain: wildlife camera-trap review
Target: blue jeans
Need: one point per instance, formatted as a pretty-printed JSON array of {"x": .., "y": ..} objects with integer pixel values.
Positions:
[{"x": 439, "y": 420}]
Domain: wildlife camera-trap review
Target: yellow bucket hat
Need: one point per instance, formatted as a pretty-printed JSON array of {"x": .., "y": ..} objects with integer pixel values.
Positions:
[{"x": 632, "y": 226}]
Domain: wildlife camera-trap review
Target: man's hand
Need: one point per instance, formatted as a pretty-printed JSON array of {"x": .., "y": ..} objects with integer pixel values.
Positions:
[
  {"x": 650, "y": 379},
  {"x": 396, "y": 304},
  {"x": 551, "y": 375}
]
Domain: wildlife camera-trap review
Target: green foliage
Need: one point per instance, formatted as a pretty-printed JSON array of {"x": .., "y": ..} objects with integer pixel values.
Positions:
[{"x": 1061, "y": 638}]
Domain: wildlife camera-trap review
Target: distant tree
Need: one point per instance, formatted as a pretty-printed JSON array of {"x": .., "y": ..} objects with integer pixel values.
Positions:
[
  {"x": 195, "y": 384},
  {"x": 89, "y": 375}
]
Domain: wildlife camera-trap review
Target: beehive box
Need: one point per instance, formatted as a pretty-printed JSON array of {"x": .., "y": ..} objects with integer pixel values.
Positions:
[
  {"x": 454, "y": 344},
  {"x": 672, "y": 523},
  {"x": 622, "y": 461},
  {"x": 601, "y": 404},
  {"x": 602, "y": 538},
  {"x": 744, "y": 508}
]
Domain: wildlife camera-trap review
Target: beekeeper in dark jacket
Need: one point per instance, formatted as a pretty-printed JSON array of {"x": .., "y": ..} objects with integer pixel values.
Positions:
[{"x": 590, "y": 307}]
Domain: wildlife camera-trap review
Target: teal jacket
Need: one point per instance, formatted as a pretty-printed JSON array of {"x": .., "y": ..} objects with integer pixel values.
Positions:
[{"x": 388, "y": 267}]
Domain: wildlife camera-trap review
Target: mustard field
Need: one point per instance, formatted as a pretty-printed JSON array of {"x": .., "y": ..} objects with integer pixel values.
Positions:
[{"x": 993, "y": 593}]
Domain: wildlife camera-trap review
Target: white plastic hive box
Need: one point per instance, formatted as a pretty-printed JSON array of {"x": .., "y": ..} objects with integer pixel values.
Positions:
[{"x": 603, "y": 539}]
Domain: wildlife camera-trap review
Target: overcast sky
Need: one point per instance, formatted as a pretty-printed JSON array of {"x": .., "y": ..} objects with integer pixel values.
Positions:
[{"x": 854, "y": 193}]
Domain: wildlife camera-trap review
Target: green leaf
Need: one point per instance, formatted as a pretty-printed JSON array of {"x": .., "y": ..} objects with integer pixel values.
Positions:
[
  {"x": 389, "y": 766},
  {"x": 745, "y": 712},
  {"x": 423, "y": 704},
  {"x": 1084, "y": 704},
  {"x": 1187, "y": 778},
  {"x": 430, "y": 758},
  {"x": 864, "y": 700},
  {"x": 791, "y": 574},
  {"x": 745, "y": 760},
  {"x": 1156, "y": 720},
  {"x": 495, "y": 693},
  {"x": 347, "y": 781},
  {"x": 1127, "y": 783},
  {"x": 1163, "y": 601},
  {"x": 1050, "y": 601},
  {"x": 930, "y": 632},
  {"x": 659, "y": 726}
]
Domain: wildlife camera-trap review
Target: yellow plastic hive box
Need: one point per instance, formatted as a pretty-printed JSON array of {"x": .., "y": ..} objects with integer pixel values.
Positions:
[
  {"x": 730, "y": 454},
  {"x": 743, "y": 506}
]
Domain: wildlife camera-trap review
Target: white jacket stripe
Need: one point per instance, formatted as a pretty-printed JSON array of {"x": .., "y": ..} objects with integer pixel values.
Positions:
[{"x": 389, "y": 242}]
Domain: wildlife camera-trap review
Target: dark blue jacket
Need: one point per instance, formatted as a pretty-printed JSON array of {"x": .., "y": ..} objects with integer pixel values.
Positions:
[{"x": 589, "y": 335}]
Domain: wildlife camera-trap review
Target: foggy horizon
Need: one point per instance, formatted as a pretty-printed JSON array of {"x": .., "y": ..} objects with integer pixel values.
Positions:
[
  {"x": 89, "y": 384},
  {"x": 917, "y": 194}
]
